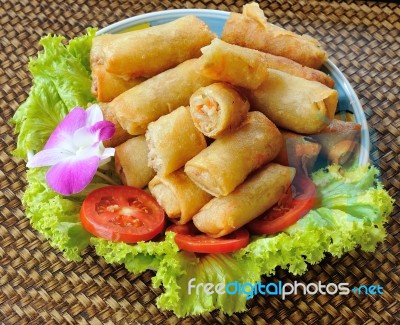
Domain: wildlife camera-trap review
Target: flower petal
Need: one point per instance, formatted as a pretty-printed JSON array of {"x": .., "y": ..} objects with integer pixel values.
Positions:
[
  {"x": 87, "y": 136},
  {"x": 47, "y": 157},
  {"x": 72, "y": 176},
  {"x": 62, "y": 135},
  {"x": 107, "y": 153},
  {"x": 106, "y": 129},
  {"x": 94, "y": 114},
  {"x": 84, "y": 138}
]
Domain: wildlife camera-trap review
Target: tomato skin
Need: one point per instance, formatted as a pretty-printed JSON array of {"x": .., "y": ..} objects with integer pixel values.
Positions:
[
  {"x": 190, "y": 239},
  {"x": 274, "y": 221},
  {"x": 122, "y": 214}
]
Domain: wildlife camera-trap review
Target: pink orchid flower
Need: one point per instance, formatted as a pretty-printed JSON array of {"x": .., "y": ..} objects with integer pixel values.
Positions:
[{"x": 75, "y": 150}]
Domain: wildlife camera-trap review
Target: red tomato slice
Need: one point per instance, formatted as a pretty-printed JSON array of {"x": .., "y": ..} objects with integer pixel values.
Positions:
[
  {"x": 190, "y": 239},
  {"x": 279, "y": 218},
  {"x": 122, "y": 213}
]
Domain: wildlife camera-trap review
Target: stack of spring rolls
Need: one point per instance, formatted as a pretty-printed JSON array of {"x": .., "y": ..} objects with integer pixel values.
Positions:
[{"x": 204, "y": 122}]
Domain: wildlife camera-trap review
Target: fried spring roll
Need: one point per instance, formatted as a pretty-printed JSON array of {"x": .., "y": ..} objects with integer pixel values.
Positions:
[
  {"x": 234, "y": 64},
  {"x": 289, "y": 66},
  {"x": 225, "y": 164},
  {"x": 257, "y": 194},
  {"x": 131, "y": 162},
  {"x": 98, "y": 43},
  {"x": 157, "y": 96},
  {"x": 251, "y": 30},
  {"x": 294, "y": 103},
  {"x": 178, "y": 195},
  {"x": 246, "y": 67},
  {"x": 120, "y": 135},
  {"x": 217, "y": 109},
  {"x": 106, "y": 86},
  {"x": 173, "y": 140},
  {"x": 149, "y": 51}
]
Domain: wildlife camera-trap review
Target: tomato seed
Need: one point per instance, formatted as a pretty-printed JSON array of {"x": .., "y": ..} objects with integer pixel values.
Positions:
[
  {"x": 106, "y": 204},
  {"x": 126, "y": 221}
]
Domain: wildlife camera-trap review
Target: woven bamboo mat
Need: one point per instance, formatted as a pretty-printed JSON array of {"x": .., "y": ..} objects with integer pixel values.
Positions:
[{"x": 39, "y": 286}]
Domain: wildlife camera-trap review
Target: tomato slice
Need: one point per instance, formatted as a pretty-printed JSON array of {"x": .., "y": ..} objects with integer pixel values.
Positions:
[
  {"x": 122, "y": 213},
  {"x": 280, "y": 217},
  {"x": 190, "y": 239}
]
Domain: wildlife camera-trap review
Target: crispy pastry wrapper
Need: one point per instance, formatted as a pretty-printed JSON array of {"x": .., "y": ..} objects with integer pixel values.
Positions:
[
  {"x": 247, "y": 68},
  {"x": 178, "y": 195},
  {"x": 293, "y": 103},
  {"x": 225, "y": 163},
  {"x": 289, "y": 66},
  {"x": 106, "y": 86},
  {"x": 218, "y": 109},
  {"x": 147, "y": 52},
  {"x": 131, "y": 162},
  {"x": 257, "y": 194},
  {"x": 173, "y": 140},
  {"x": 252, "y": 30},
  {"x": 236, "y": 65},
  {"x": 157, "y": 96}
]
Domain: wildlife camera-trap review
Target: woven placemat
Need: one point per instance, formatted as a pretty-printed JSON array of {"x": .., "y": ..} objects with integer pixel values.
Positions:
[{"x": 39, "y": 286}]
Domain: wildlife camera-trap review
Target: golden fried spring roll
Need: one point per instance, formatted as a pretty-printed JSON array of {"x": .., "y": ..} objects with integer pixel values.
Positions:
[
  {"x": 246, "y": 67},
  {"x": 106, "y": 86},
  {"x": 234, "y": 64},
  {"x": 157, "y": 96},
  {"x": 225, "y": 164},
  {"x": 120, "y": 135},
  {"x": 294, "y": 103},
  {"x": 98, "y": 43},
  {"x": 289, "y": 66},
  {"x": 173, "y": 140},
  {"x": 131, "y": 162},
  {"x": 147, "y": 52},
  {"x": 253, "y": 31},
  {"x": 178, "y": 195},
  {"x": 298, "y": 152},
  {"x": 257, "y": 194},
  {"x": 217, "y": 109}
]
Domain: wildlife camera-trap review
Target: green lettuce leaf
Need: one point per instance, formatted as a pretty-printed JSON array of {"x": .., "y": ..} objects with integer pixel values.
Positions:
[
  {"x": 55, "y": 217},
  {"x": 139, "y": 257},
  {"x": 176, "y": 270},
  {"x": 61, "y": 81}
]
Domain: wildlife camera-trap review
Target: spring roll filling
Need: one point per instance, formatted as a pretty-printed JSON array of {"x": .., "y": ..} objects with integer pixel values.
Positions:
[
  {"x": 154, "y": 161},
  {"x": 206, "y": 113}
]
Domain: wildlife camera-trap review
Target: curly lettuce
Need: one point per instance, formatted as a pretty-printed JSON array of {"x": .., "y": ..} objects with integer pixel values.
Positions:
[{"x": 61, "y": 81}]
